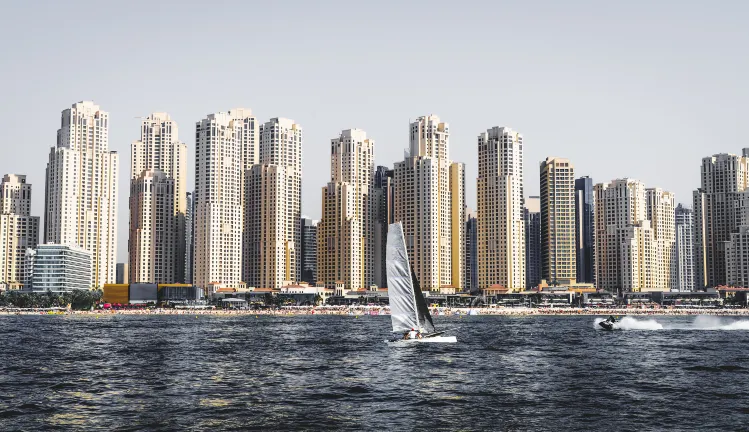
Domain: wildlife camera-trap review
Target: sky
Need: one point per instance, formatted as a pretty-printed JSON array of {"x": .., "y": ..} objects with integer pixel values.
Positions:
[{"x": 637, "y": 89}]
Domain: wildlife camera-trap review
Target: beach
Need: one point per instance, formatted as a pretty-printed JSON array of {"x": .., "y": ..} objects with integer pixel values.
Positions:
[{"x": 357, "y": 311}]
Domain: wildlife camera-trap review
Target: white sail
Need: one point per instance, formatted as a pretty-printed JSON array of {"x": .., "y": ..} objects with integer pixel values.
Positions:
[{"x": 400, "y": 286}]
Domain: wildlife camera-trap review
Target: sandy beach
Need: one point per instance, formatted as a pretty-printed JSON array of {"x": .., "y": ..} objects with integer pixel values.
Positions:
[{"x": 373, "y": 310}]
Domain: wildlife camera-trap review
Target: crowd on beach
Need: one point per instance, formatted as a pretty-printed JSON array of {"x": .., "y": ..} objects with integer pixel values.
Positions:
[{"x": 380, "y": 310}]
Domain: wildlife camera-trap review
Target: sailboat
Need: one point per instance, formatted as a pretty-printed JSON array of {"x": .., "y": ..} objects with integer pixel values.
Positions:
[{"x": 408, "y": 309}]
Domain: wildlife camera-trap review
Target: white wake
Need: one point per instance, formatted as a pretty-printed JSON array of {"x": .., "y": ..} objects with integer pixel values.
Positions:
[{"x": 701, "y": 322}]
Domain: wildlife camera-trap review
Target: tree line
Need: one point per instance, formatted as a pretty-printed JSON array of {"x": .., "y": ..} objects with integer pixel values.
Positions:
[{"x": 77, "y": 299}]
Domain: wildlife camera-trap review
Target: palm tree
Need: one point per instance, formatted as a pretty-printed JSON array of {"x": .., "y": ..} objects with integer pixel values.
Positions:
[{"x": 318, "y": 299}]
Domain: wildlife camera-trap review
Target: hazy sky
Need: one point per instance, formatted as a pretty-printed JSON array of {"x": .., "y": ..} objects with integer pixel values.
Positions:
[{"x": 628, "y": 89}]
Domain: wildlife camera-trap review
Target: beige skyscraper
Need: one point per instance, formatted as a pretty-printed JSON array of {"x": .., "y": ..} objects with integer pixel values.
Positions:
[
  {"x": 18, "y": 229},
  {"x": 635, "y": 237},
  {"x": 222, "y": 141},
  {"x": 153, "y": 243},
  {"x": 81, "y": 189},
  {"x": 345, "y": 234},
  {"x": 501, "y": 226},
  {"x": 558, "y": 253},
  {"x": 158, "y": 193},
  {"x": 430, "y": 202},
  {"x": 273, "y": 209}
]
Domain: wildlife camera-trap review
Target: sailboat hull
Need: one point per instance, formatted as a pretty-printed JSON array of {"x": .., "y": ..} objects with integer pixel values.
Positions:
[{"x": 433, "y": 339}]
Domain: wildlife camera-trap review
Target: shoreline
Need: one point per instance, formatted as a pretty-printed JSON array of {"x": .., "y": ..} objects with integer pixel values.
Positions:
[{"x": 374, "y": 311}]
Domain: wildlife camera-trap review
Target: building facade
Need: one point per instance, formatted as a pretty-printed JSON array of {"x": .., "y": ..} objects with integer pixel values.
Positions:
[
  {"x": 81, "y": 189},
  {"x": 189, "y": 229},
  {"x": 58, "y": 268},
  {"x": 501, "y": 228},
  {"x": 558, "y": 252},
  {"x": 430, "y": 203},
  {"x": 309, "y": 250},
  {"x": 472, "y": 263},
  {"x": 122, "y": 274},
  {"x": 532, "y": 221},
  {"x": 18, "y": 229},
  {"x": 723, "y": 177},
  {"x": 273, "y": 196},
  {"x": 221, "y": 143},
  {"x": 345, "y": 252},
  {"x": 584, "y": 230},
  {"x": 635, "y": 238},
  {"x": 684, "y": 253},
  {"x": 384, "y": 207},
  {"x": 158, "y": 163},
  {"x": 156, "y": 251}
]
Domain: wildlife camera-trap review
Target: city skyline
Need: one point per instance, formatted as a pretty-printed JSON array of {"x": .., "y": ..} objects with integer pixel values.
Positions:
[{"x": 566, "y": 101}]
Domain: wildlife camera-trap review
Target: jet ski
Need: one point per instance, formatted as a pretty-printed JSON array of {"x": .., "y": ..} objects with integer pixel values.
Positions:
[{"x": 608, "y": 323}]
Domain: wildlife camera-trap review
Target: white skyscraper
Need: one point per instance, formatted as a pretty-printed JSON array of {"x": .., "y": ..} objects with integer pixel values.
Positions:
[
  {"x": 221, "y": 142},
  {"x": 273, "y": 207},
  {"x": 158, "y": 179},
  {"x": 346, "y": 231},
  {"x": 81, "y": 189},
  {"x": 501, "y": 226},
  {"x": 18, "y": 229},
  {"x": 430, "y": 202}
]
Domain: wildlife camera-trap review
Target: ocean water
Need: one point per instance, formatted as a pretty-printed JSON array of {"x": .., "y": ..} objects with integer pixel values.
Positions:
[{"x": 337, "y": 373}]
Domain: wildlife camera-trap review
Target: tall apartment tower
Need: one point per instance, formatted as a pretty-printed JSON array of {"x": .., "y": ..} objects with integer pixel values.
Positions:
[
  {"x": 472, "y": 263},
  {"x": 345, "y": 252},
  {"x": 81, "y": 189},
  {"x": 635, "y": 238},
  {"x": 430, "y": 202},
  {"x": 158, "y": 178},
  {"x": 273, "y": 210},
  {"x": 532, "y": 221},
  {"x": 384, "y": 197},
  {"x": 684, "y": 254},
  {"x": 223, "y": 144},
  {"x": 18, "y": 229},
  {"x": 723, "y": 177},
  {"x": 501, "y": 228},
  {"x": 309, "y": 250},
  {"x": 558, "y": 252},
  {"x": 584, "y": 230},
  {"x": 189, "y": 229},
  {"x": 153, "y": 241}
]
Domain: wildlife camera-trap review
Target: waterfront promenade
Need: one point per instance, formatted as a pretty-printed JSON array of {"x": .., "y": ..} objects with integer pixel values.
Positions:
[{"x": 356, "y": 311}]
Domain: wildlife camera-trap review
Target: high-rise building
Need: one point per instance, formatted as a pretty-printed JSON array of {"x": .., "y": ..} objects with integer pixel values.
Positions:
[
  {"x": 532, "y": 222},
  {"x": 18, "y": 229},
  {"x": 309, "y": 250},
  {"x": 81, "y": 189},
  {"x": 224, "y": 143},
  {"x": 189, "y": 229},
  {"x": 153, "y": 242},
  {"x": 558, "y": 252},
  {"x": 634, "y": 234},
  {"x": 684, "y": 255},
  {"x": 723, "y": 178},
  {"x": 345, "y": 252},
  {"x": 273, "y": 196},
  {"x": 430, "y": 202},
  {"x": 501, "y": 228},
  {"x": 58, "y": 268},
  {"x": 122, "y": 273},
  {"x": 472, "y": 263},
  {"x": 384, "y": 197},
  {"x": 584, "y": 230},
  {"x": 158, "y": 183}
]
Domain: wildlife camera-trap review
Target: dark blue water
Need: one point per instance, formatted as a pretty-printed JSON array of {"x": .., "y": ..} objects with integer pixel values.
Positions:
[{"x": 336, "y": 373}]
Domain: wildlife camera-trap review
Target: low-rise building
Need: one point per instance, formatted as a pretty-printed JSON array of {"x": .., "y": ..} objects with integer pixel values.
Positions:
[{"x": 57, "y": 268}]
